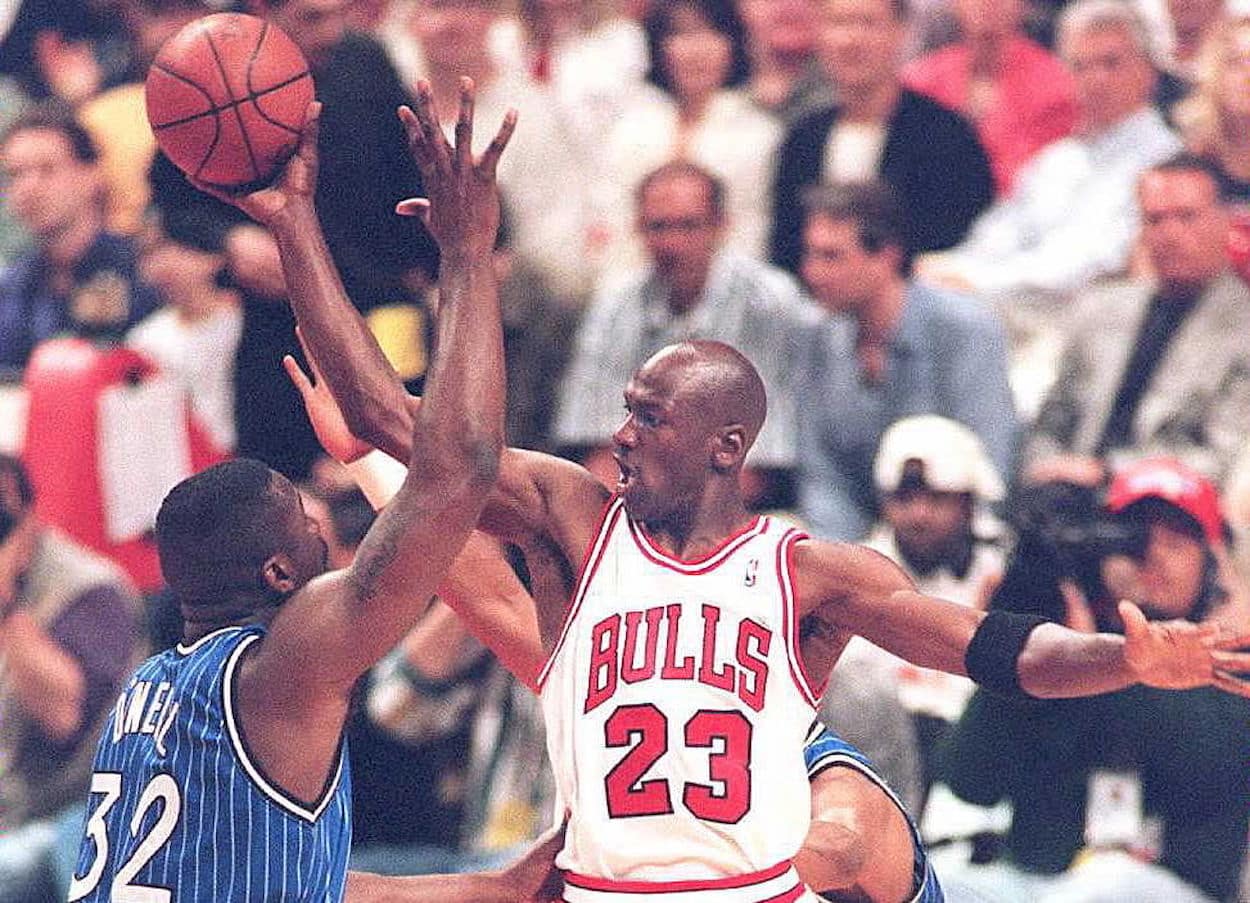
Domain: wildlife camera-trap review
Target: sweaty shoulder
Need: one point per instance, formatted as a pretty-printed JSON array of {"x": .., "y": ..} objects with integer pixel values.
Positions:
[{"x": 832, "y": 572}]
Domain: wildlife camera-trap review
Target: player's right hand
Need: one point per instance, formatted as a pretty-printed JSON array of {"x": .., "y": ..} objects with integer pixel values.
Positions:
[{"x": 323, "y": 411}]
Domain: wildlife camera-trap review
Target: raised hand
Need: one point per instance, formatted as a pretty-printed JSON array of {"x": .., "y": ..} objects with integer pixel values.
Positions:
[
  {"x": 297, "y": 183},
  {"x": 323, "y": 411},
  {"x": 461, "y": 206},
  {"x": 1178, "y": 655}
]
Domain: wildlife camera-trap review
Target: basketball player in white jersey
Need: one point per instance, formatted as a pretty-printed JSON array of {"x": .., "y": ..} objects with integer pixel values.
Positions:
[{"x": 685, "y": 655}]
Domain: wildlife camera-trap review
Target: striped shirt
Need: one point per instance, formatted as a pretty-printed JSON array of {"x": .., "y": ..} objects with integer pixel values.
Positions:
[{"x": 179, "y": 813}]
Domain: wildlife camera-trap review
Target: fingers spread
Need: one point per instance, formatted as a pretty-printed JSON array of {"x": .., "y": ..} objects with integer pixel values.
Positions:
[
  {"x": 490, "y": 160},
  {"x": 464, "y": 124},
  {"x": 431, "y": 131},
  {"x": 297, "y": 376},
  {"x": 1231, "y": 684}
]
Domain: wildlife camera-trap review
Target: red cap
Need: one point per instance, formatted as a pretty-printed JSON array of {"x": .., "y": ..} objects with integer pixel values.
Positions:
[{"x": 1171, "y": 481}]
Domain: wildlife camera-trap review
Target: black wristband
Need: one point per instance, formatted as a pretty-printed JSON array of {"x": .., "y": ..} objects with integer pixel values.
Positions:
[{"x": 995, "y": 648}]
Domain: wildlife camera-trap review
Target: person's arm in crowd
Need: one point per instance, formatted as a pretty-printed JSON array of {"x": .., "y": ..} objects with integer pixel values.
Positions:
[
  {"x": 47, "y": 681},
  {"x": 843, "y": 588}
]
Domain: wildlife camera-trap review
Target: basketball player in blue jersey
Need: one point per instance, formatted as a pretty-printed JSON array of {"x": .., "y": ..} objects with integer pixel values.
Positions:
[
  {"x": 690, "y": 639},
  {"x": 222, "y": 774}
]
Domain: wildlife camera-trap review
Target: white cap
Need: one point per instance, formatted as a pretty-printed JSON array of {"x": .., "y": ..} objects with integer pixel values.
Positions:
[{"x": 951, "y": 457}]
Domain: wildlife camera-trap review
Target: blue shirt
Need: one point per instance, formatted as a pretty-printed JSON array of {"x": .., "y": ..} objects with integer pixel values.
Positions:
[
  {"x": 105, "y": 281},
  {"x": 825, "y": 750},
  {"x": 177, "y": 805},
  {"x": 948, "y": 356}
]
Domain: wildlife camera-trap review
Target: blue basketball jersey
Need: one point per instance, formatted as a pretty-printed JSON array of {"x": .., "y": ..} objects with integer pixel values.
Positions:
[
  {"x": 825, "y": 749},
  {"x": 179, "y": 813}
]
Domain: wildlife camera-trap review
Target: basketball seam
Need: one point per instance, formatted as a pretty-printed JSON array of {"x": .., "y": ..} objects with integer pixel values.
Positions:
[
  {"x": 253, "y": 95},
  {"x": 247, "y": 142},
  {"x": 212, "y": 145},
  {"x": 213, "y": 110}
]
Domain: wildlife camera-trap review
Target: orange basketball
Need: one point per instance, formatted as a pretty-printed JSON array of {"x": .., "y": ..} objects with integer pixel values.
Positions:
[{"x": 227, "y": 97}]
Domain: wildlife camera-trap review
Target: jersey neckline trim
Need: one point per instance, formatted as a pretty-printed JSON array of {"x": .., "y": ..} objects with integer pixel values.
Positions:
[
  {"x": 185, "y": 649},
  {"x": 727, "y": 546}
]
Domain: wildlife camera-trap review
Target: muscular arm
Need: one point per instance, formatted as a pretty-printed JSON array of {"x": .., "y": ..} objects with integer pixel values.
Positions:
[{"x": 847, "y": 589}]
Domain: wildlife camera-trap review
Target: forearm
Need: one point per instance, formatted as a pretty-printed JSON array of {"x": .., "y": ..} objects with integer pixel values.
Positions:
[
  {"x": 47, "y": 682},
  {"x": 485, "y": 887},
  {"x": 1057, "y": 662},
  {"x": 370, "y": 393}
]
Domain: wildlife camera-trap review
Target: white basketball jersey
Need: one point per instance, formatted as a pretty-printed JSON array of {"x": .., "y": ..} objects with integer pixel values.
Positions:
[{"x": 676, "y": 710}]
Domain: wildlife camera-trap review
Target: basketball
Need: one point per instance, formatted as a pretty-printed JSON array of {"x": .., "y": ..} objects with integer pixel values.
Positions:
[{"x": 227, "y": 97}]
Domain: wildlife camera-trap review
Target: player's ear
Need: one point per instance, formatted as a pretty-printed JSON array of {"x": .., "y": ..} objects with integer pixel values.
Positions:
[
  {"x": 729, "y": 447},
  {"x": 279, "y": 573}
]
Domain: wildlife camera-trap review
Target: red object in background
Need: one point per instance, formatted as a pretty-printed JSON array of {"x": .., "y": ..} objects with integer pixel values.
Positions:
[
  {"x": 65, "y": 381},
  {"x": 1239, "y": 242}
]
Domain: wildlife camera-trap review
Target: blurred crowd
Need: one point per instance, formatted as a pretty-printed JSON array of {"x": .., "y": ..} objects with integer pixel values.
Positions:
[{"x": 989, "y": 256}]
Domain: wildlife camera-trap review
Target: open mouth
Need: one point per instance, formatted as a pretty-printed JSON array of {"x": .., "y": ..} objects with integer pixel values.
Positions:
[{"x": 627, "y": 474}]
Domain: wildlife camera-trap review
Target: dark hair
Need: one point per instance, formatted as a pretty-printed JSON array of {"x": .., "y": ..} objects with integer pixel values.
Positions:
[
  {"x": 719, "y": 14},
  {"x": 684, "y": 168},
  {"x": 350, "y": 514},
  {"x": 872, "y": 206},
  {"x": 54, "y": 116},
  {"x": 215, "y": 529},
  {"x": 1187, "y": 161}
]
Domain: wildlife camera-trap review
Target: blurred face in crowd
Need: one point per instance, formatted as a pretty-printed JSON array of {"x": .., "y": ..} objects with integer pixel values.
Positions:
[
  {"x": 1184, "y": 226},
  {"x": 681, "y": 230},
  {"x": 988, "y": 20},
  {"x": 697, "y": 57},
  {"x": 1193, "y": 17},
  {"x": 1114, "y": 77},
  {"x": 861, "y": 43},
  {"x": 840, "y": 272},
  {"x": 453, "y": 33},
  {"x": 929, "y": 526},
  {"x": 315, "y": 25},
  {"x": 1169, "y": 576},
  {"x": 1234, "y": 85},
  {"x": 46, "y": 187},
  {"x": 186, "y": 277},
  {"x": 781, "y": 28}
]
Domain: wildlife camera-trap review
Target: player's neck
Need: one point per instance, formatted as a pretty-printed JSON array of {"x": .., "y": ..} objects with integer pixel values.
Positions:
[
  {"x": 701, "y": 528},
  {"x": 201, "y": 619}
]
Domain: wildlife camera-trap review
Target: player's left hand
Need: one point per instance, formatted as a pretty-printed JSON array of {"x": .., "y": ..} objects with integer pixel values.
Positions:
[
  {"x": 534, "y": 877},
  {"x": 1178, "y": 655},
  {"x": 323, "y": 411}
]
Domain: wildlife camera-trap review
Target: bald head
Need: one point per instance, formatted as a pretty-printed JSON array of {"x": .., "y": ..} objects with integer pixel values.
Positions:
[{"x": 717, "y": 380}]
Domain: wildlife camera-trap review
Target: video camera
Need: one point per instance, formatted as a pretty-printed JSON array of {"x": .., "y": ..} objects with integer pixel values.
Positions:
[{"x": 1064, "y": 532}]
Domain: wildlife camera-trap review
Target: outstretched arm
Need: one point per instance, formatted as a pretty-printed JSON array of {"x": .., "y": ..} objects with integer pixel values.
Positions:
[{"x": 848, "y": 589}]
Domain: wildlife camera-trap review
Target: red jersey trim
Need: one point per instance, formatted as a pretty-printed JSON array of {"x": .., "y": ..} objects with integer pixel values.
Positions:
[
  {"x": 790, "y": 617},
  {"x": 730, "y": 882},
  {"x": 709, "y": 562},
  {"x": 590, "y": 563},
  {"x": 789, "y": 896}
]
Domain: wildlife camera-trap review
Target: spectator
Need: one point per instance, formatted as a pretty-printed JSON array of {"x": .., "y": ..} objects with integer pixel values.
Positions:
[
  {"x": 879, "y": 129},
  {"x": 1186, "y": 28},
  {"x": 546, "y": 176},
  {"x": 194, "y": 336},
  {"x": 1215, "y": 119},
  {"x": 1070, "y": 217},
  {"x": 69, "y": 634},
  {"x": 1019, "y": 95},
  {"x": 693, "y": 108},
  {"x": 1156, "y": 367},
  {"x": 693, "y": 288},
  {"x": 1152, "y": 784},
  {"x": 365, "y": 169},
  {"x": 890, "y": 348},
  {"x": 786, "y": 77},
  {"x": 77, "y": 277}
]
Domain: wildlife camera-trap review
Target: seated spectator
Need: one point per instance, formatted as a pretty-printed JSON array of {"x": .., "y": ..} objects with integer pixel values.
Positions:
[
  {"x": 1071, "y": 218},
  {"x": 1019, "y": 95},
  {"x": 69, "y": 634},
  {"x": 1134, "y": 795},
  {"x": 890, "y": 348},
  {"x": 1159, "y": 366},
  {"x": 692, "y": 108},
  {"x": 1187, "y": 25},
  {"x": 195, "y": 335},
  {"x": 879, "y": 129},
  {"x": 76, "y": 278},
  {"x": 1215, "y": 119},
  {"x": 786, "y": 78},
  {"x": 693, "y": 288}
]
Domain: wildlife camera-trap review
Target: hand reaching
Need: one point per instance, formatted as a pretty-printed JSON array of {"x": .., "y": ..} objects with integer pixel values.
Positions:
[
  {"x": 1178, "y": 655},
  {"x": 323, "y": 411},
  {"x": 297, "y": 183},
  {"x": 461, "y": 207}
]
